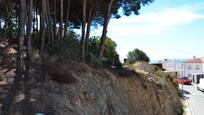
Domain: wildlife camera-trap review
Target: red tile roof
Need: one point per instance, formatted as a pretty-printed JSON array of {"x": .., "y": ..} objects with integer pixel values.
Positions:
[{"x": 195, "y": 60}]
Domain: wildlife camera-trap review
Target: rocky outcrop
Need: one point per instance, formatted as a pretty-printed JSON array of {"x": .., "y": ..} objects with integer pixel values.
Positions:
[{"x": 100, "y": 92}]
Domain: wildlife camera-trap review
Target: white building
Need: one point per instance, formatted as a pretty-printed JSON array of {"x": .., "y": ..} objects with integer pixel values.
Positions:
[
  {"x": 194, "y": 69},
  {"x": 171, "y": 66}
]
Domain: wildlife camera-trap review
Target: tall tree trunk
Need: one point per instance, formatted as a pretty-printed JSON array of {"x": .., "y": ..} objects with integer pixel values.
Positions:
[
  {"x": 37, "y": 22},
  {"x": 19, "y": 68},
  {"x": 0, "y": 17},
  {"x": 34, "y": 20},
  {"x": 55, "y": 20},
  {"x": 48, "y": 23},
  {"x": 50, "y": 30},
  {"x": 28, "y": 42},
  {"x": 61, "y": 21},
  {"x": 105, "y": 26},
  {"x": 88, "y": 28},
  {"x": 34, "y": 17},
  {"x": 44, "y": 26},
  {"x": 21, "y": 34},
  {"x": 83, "y": 32},
  {"x": 28, "y": 58},
  {"x": 67, "y": 20},
  {"x": 0, "y": 22}
]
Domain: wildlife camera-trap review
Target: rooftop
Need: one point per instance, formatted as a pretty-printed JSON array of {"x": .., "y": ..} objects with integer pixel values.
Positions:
[{"x": 195, "y": 60}]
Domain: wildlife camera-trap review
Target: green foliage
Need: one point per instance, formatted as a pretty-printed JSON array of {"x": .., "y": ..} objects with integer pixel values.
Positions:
[
  {"x": 110, "y": 48},
  {"x": 94, "y": 61},
  {"x": 110, "y": 53},
  {"x": 94, "y": 43},
  {"x": 9, "y": 32},
  {"x": 137, "y": 55},
  {"x": 70, "y": 48},
  {"x": 8, "y": 20},
  {"x": 111, "y": 57}
]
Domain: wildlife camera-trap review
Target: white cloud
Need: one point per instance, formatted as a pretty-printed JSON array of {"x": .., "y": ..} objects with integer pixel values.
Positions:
[
  {"x": 154, "y": 22},
  {"x": 194, "y": 7},
  {"x": 151, "y": 24}
]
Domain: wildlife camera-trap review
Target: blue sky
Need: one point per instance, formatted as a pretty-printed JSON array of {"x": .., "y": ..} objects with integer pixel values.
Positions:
[{"x": 169, "y": 29}]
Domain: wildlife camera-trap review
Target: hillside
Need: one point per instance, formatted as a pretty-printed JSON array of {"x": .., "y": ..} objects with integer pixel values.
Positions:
[{"x": 72, "y": 88}]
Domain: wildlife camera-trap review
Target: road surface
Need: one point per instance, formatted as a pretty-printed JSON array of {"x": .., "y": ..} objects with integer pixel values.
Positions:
[{"x": 195, "y": 99}]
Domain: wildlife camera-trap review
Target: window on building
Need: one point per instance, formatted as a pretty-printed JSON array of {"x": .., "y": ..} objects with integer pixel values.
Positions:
[
  {"x": 189, "y": 75},
  {"x": 189, "y": 67},
  {"x": 197, "y": 67}
]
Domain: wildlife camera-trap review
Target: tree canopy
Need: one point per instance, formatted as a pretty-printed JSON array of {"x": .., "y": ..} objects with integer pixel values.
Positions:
[
  {"x": 111, "y": 57},
  {"x": 43, "y": 25},
  {"x": 137, "y": 55}
]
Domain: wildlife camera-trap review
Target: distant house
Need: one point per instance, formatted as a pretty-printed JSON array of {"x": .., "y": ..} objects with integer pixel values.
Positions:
[
  {"x": 171, "y": 66},
  {"x": 193, "y": 69},
  {"x": 159, "y": 65}
]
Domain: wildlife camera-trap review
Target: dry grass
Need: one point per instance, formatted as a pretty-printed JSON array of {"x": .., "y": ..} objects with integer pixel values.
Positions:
[
  {"x": 59, "y": 74},
  {"x": 184, "y": 105}
]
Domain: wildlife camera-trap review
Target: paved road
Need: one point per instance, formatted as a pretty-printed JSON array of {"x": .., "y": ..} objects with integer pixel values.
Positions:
[{"x": 195, "y": 99}]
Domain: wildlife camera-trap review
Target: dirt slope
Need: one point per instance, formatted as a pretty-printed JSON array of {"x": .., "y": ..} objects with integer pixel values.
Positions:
[{"x": 72, "y": 88}]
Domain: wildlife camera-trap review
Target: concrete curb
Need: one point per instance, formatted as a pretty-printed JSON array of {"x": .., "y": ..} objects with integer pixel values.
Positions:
[{"x": 190, "y": 108}]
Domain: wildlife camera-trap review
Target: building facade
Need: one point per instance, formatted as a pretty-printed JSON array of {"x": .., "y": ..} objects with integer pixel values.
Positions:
[
  {"x": 173, "y": 66},
  {"x": 193, "y": 69}
]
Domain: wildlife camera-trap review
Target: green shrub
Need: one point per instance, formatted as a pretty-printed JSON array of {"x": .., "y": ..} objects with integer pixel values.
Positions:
[{"x": 69, "y": 49}]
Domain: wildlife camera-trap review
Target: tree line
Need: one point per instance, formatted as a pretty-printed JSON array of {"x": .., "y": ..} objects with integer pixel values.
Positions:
[{"x": 49, "y": 22}]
